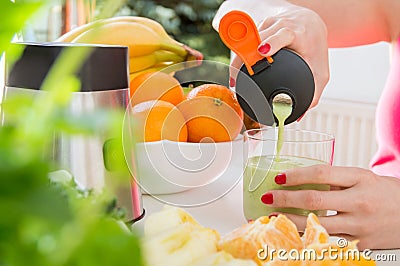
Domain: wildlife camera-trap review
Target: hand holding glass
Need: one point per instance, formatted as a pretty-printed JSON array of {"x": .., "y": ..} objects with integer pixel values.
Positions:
[{"x": 263, "y": 162}]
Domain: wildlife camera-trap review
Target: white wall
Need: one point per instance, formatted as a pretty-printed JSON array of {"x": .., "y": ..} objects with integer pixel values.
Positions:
[
  {"x": 347, "y": 107},
  {"x": 358, "y": 73}
]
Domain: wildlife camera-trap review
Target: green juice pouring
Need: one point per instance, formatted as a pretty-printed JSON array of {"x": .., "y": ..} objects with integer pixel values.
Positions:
[
  {"x": 259, "y": 80},
  {"x": 260, "y": 171}
]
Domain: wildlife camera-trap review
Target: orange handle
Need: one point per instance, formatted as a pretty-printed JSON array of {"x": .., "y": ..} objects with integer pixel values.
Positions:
[{"x": 238, "y": 31}]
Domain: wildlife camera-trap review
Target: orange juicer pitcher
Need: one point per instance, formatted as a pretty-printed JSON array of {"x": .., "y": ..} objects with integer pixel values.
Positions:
[{"x": 261, "y": 78}]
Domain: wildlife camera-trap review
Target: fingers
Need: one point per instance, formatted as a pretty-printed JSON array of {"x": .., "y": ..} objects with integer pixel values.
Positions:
[
  {"x": 324, "y": 174},
  {"x": 278, "y": 32},
  {"x": 340, "y": 225},
  {"x": 234, "y": 68},
  {"x": 308, "y": 199},
  {"x": 275, "y": 39},
  {"x": 298, "y": 31}
]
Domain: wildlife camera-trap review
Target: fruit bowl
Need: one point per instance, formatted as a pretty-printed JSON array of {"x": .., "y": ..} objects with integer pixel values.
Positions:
[{"x": 166, "y": 167}]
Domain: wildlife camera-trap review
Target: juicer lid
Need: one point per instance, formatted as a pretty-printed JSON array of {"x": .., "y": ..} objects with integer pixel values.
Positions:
[
  {"x": 106, "y": 68},
  {"x": 261, "y": 78}
]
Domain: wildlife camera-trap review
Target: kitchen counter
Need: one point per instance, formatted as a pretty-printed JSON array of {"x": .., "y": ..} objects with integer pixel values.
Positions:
[
  {"x": 225, "y": 213},
  {"x": 217, "y": 205}
]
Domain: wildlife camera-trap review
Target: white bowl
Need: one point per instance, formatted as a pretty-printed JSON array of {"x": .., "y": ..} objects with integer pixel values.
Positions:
[{"x": 165, "y": 167}]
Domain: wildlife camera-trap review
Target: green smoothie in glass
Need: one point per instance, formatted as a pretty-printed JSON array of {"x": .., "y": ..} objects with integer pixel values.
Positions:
[
  {"x": 259, "y": 177},
  {"x": 260, "y": 171}
]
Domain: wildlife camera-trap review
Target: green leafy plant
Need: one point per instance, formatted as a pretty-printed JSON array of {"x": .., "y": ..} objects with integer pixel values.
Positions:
[{"x": 50, "y": 221}]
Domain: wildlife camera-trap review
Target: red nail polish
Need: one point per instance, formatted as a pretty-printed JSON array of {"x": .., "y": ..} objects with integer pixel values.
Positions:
[
  {"x": 267, "y": 198},
  {"x": 232, "y": 82},
  {"x": 272, "y": 215},
  {"x": 263, "y": 49},
  {"x": 280, "y": 179},
  {"x": 298, "y": 120}
]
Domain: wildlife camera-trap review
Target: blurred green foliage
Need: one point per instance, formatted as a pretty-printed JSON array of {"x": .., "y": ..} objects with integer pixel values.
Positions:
[
  {"x": 187, "y": 21},
  {"x": 47, "y": 221},
  {"x": 50, "y": 221}
]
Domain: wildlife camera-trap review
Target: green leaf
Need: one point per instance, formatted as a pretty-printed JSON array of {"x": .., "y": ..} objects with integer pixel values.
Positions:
[
  {"x": 13, "y": 18},
  {"x": 43, "y": 222}
]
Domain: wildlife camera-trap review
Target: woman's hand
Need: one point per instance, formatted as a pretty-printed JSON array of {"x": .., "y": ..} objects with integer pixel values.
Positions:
[
  {"x": 282, "y": 24},
  {"x": 367, "y": 205}
]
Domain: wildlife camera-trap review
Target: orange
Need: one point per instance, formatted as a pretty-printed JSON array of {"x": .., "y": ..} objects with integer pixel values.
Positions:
[
  {"x": 212, "y": 113},
  {"x": 250, "y": 123},
  {"x": 315, "y": 233},
  {"x": 251, "y": 240},
  {"x": 155, "y": 86},
  {"x": 348, "y": 256},
  {"x": 159, "y": 120},
  {"x": 276, "y": 233}
]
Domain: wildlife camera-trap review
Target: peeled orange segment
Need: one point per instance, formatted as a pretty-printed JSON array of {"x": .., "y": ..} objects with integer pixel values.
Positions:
[
  {"x": 158, "y": 120},
  {"x": 348, "y": 256},
  {"x": 241, "y": 242},
  {"x": 179, "y": 240},
  {"x": 276, "y": 233},
  {"x": 286, "y": 230},
  {"x": 315, "y": 233},
  {"x": 155, "y": 86}
]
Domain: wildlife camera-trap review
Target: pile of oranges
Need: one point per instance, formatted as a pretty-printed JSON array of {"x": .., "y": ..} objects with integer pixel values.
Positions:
[
  {"x": 162, "y": 111},
  {"x": 276, "y": 241}
]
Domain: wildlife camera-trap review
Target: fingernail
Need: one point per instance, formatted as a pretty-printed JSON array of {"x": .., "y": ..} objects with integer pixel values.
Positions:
[
  {"x": 272, "y": 215},
  {"x": 232, "y": 82},
  {"x": 280, "y": 179},
  {"x": 267, "y": 198},
  {"x": 263, "y": 49}
]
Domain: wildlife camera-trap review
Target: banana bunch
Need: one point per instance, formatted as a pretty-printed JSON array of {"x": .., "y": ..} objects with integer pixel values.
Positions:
[{"x": 150, "y": 46}]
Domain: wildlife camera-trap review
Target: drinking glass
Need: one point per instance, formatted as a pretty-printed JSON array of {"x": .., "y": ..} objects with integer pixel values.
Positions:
[{"x": 298, "y": 148}]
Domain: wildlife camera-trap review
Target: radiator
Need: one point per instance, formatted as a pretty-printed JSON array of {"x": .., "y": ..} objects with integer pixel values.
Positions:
[{"x": 352, "y": 124}]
